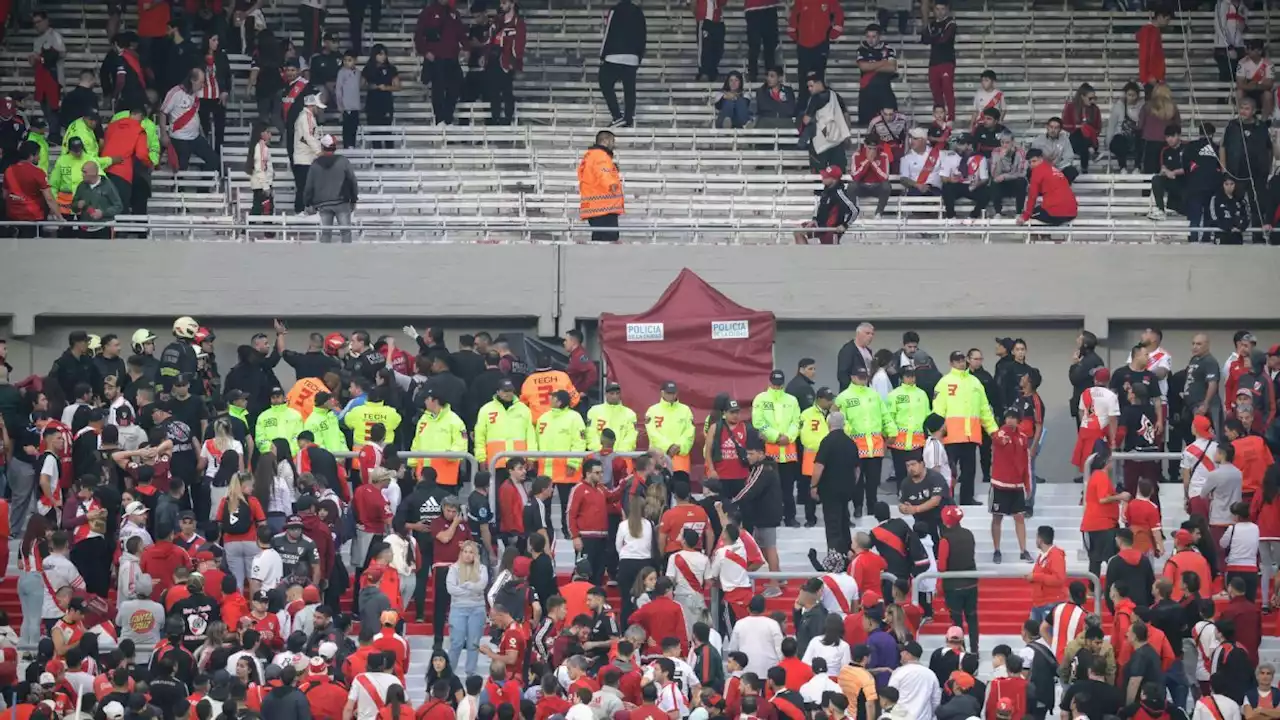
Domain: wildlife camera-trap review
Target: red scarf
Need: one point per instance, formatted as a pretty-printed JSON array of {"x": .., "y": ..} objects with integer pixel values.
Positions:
[
  {"x": 130, "y": 58},
  {"x": 930, "y": 162}
]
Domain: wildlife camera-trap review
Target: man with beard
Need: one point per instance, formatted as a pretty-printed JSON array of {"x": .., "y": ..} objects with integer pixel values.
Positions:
[
  {"x": 1083, "y": 363},
  {"x": 197, "y": 610}
]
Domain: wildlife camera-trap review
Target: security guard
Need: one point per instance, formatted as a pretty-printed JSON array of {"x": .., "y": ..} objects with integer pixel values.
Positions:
[
  {"x": 867, "y": 423},
  {"x": 615, "y": 416},
  {"x": 813, "y": 427},
  {"x": 669, "y": 425},
  {"x": 361, "y": 419},
  {"x": 775, "y": 414},
  {"x": 38, "y": 134},
  {"x": 908, "y": 406},
  {"x": 600, "y": 188},
  {"x": 439, "y": 430},
  {"x": 538, "y": 387},
  {"x": 503, "y": 424},
  {"x": 561, "y": 429},
  {"x": 324, "y": 425},
  {"x": 278, "y": 421}
]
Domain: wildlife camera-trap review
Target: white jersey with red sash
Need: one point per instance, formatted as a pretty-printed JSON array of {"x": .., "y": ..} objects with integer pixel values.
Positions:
[
  {"x": 1097, "y": 406},
  {"x": 729, "y": 567},
  {"x": 84, "y": 507},
  {"x": 1068, "y": 623},
  {"x": 1212, "y": 706},
  {"x": 291, "y": 94},
  {"x": 182, "y": 108},
  {"x": 66, "y": 469},
  {"x": 691, "y": 567},
  {"x": 838, "y": 592},
  {"x": 930, "y": 164},
  {"x": 50, "y": 501}
]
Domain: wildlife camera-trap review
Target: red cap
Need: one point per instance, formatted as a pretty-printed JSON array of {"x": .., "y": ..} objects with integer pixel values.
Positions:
[
  {"x": 311, "y": 594},
  {"x": 951, "y": 515},
  {"x": 333, "y": 342},
  {"x": 963, "y": 680},
  {"x": 1275, "y": 350},
  {"x": 831, "y": 172},
  {"x": 205, "y": 556},
  {"x": 1183, "y": 537},
  {"x": 871, "y": 598},
  {"x": 1005, "y": 705},
  {"x": 520, "y": 568},
  {"x": 202, "y": 334},
  {"x": 1101, "y": 375},
  {"x": 1202, "y": 426}
]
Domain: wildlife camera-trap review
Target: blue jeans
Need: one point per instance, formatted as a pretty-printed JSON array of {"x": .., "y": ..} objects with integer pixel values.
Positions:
[
  {"x": 1175, "y": 679},
  {"x": 1040, "y": 613},
  {"x": 738, "y": 112},
  {"x": 466, "y": 624}
]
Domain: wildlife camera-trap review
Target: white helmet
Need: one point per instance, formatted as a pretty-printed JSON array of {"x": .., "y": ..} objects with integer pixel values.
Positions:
[
  {"x": 185, "y": 327},
  {"x": 141, "y": 336}
]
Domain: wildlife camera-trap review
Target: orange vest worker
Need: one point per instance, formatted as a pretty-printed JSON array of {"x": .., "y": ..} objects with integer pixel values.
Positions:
[
  {"x": 599, "y": 184},
  {"x": 537, "y": 388}
]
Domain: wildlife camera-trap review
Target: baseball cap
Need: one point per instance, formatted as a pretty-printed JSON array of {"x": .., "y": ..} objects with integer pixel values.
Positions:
[
  {"x": 1202, "y": 426},
  {"x": 1004, "y": 706},
  {"x": 952, "y": 515},
  {"x": 1275, "y": 350},
  {"x": 613, "y": 387},
  {"x": 955, "y": 356},
  {"x": 1242, "y": 390},
  {"x": 825, "y": 393},
  {"x": 315, "y": 101},
  {"x": 328, "y": 649},
  {"x": 327, "y": 142},
  {"x": 777, "y": 377},
  {"x": 186, "y": 515},
  {"x": 311, "y": 594},
  {"x": 733, "y": 405},
  {"x": 182, "y": 379},
  {"x": 1005, "y": 342},
  {"x": 48, "y": 679},
  {"x": 293, "y": 521},
  {"x": 75, "y": 145},
  {"x": 113, "y": 710},
  {"x": 860, "y": 370},
  {"x": 235, "y": 395},
  {"x": 831, "y": 172},
  {"x": 506, "y": 386},
  {"x": 205, "y": 556},
  {"x": 964, "y": 138},
  {"x": 954, "y": 633},
  {"x": 963, "y": 680},
  {"x": 261, "y": 596},
  {"x": 918, "y": 133},
  {"x": 1101, "y": 374},
  {"x": 871, "y": 598},
  {"x": 669, "y": 387},
  {"x": 277, "y": 391},
  {"x": 318, "y": 664},
  {"x": 520, "y": 568},
  {"x": 135, "y": 508},
  {"x": 389, "y": 617},
  {"x": 1183, "y": 537}
]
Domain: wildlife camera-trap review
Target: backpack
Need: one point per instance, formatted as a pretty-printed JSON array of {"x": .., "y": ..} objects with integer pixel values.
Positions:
[
  {"x": 513, "y": 596},
  {"x": 237, "y": 524}
]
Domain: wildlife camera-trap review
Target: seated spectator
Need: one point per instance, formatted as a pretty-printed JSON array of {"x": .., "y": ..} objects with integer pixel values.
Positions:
[
  {"x": 920, "y": 166},
  {"x": 1159, "y": 113},
  {"x": 987, "y": 136},
  {"x": 1253, "y": 77},
  {"x": 1122, "y": 127},
  {"x": 1050, "y": 199},
  {"x": 941, "y": 127},
  {"x": 733, "y": 109},
  {"x": 826, "y": 146},
  {"x": 775, "y": 104},
  {"x": 986, "y": 97},
  {"x": 1082, "y": 120},
  {"x": 836, "y": 209},
  {"x": 965, "y": 174},
  {"x": 1055, "y": 148},
  {"x": 889, "y": 130},
  {"x": 870, "y": 173},
  {"x": 1229, "y": 211},
  {"x": 1171, "y": 180},
  {"x": 1008, "y": 174}
]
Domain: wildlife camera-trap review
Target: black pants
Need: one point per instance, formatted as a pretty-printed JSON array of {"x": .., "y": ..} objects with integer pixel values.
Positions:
[
  {"x": 956, "y": 190},
  {"x": 355, "y": 19},
  {"x": 628, "y": 571},
  {"x": 563, "y": 490},
  {"x": 213, "y": 121},
  {"x": 1125, "y": 149},
  {"x": 1250, "y": 583},
  {"x": 1082, "y": 147},
  {"x": 299, "y": 185},
  {"x": 610, "y": 548},
  {"x": 439, "y": 605},
  {"x": 963, "y": 604},
  {"x": 762, "y": 37},
  {"x": 593, "y": 551},
  {"x": 137, "y": 200},
  {"x": 805, "y": 498},
  {"x": 867, "y": 484},
  {"x": 1044, "y": 217},
  {"x": 610, "y": 75},
  {"x": 123, "y": 189},
  {"x": 883, "y": 16},
  {"x": 604, "y": 221},
  {"x": 502, "y": 98},
  {"x": 710, "y": 49},
  {"x": 835, "y": 516},
  {"x": 1162, "y": 186},
  {"x": 789, "y": 473},
  {"x": 312, "y": 25},
  {"x": 199, "y": 146},
  {"x": 350, "y": 127},
  {"x": 1151, "y": 150},
  {"x": 1014, "y": 189},
  {"x": 445, "y": 76},
  {"x": 962, "y": 456},
  {"x": 1101, "y": 545},
  {"x": 984, "y": 458},
  {"x": 423, "y": 575},
  {"x": 1226, "y": 66},
  {"x": 1248, "y": 187},
  {"x": 809, "y": 60},
  {"x": 380, "y": 110}
]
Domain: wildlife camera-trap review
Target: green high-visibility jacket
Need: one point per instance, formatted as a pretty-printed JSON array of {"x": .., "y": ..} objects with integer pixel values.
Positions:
[
  {"x": 776, "y": 412},
  {"x": 278, "y": 421},
  {"x": 908, "y": 406},
  {"x": 324, "y": 425},
  {"x": 618, "y": 418}
]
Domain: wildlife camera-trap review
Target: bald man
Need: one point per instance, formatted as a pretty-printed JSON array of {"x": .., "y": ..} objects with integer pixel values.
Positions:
[
  {"x": 95, "y": 199},
  {"x": 834, "y": 468},
  {"x": 1200, "y": 391}
]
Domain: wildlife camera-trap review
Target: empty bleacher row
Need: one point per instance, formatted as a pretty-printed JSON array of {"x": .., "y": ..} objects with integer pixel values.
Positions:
[{"x": 677, "y": 169}]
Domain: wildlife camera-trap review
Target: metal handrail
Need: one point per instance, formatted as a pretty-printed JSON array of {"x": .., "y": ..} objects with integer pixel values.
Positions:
[
  {"x": 413, "y": 455},
  {"x": 540, "y": 455}
]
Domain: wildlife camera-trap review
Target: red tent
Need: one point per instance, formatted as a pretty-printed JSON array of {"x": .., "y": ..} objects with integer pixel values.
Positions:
[{"x": 695, "y": 336}]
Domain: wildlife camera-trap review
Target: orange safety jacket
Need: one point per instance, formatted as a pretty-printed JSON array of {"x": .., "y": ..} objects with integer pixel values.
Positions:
[{"x": 599, "y": 184}]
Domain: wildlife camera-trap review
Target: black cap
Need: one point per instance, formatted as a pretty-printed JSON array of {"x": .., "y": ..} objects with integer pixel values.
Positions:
[
  {"x": 75, "y": 144},
  {"x": 965, "y": 138},
  {"x": 1005, "y": 342},
  {"x": 907, "y": 370},
  {"x": 234, "y": 395},
  {"x": 825, "y": 393},
  {"x": 669, "y": 386},
  {"x": 330, "y": 36},
  {"x": 935, "y": 132},
  {"x": 755, "y": 441},
  {"x": 732, "y": 406},
  {"x": 956, "y": 356},
  {"x": 276, "y": 391},
  {"x": 613, "y": 387},
  {"x": 261, "y": 596},
  {"x": 292, "y": 63},
  {"x": 293, "y": 521},
  {"x": 777, "y": 377},
  {"x": 182, "y": 379},
  {"x": 161, "y": 406},
  {"x": 187, "y": 515},
  {"x": 861, "y": 371},
  {"x": 97, "y": 415},
  {"x": 506, "y": 386}
]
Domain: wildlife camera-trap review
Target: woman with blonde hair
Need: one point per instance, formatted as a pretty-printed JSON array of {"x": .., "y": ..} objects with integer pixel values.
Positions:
[
  {"x": 239, "y": 514},
  {"x": 1154, "y": 121},
  {"x": 210, "y": 461},
  {"x": 466, "y": 581}
]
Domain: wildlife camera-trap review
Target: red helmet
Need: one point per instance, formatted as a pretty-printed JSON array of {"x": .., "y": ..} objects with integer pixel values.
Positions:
[
  {"x": 203, "y": 334},
  {"x": 333, "y": 343},
  {"x": 951, "y": 515}
]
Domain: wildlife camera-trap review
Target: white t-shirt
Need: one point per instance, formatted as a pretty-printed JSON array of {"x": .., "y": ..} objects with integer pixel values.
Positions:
[
  {"x": 580, "y": 712},
  {"x": 52, "y": 469},
  {"x": 179, "y": 107},
  {"x": 1105, "y": 406},
  {"x": 918, "y": 690},
  {"x": 837, "y": 656},
  {"x": 1240, "y": 542},
  {"x": 817, "y": 686},
  {"x": 366, "y": 708},
  {"x": 935, "y": 458},
  {"x": 213, "y": 458},
  {"x": 913, "y": 164},
  {"x": 1228, "y": 707},
  {"x": 848, "y": 588},
  {"x": 59, "y": 572},
  {"x": 631, "y": 548},
  {"x": 698, "y": 565},
  {"x": 267, "y": 568},
  {"x": 1251, "y": 71},
  {"x": 671, "y": 698},
  {"x": 729, "y": 573},
  {"x": 1205, "y": 635},
  {"x": 1199, "y": 455}
]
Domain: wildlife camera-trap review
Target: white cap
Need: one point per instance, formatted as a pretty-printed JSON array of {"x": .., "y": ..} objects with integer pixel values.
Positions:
[
  {"x": 113, "y": 709},
  {"x": 135, "y": 508},
  {"x": 314, "y": 101},
  {"x": 328, "y": 649},
  {"x": 919, "y": 134},
  {"x": 48, "y": 679},
  {"x": 327, "y": 142}
]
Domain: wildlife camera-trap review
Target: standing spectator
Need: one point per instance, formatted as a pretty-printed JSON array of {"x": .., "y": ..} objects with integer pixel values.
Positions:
[
  {"x": 956, "y": 553},
  {"x": 1082, "y": 120},
  {"x": 266, "y": 81},
  {"x": 152, "y": 27},
  {"x": 383, "y": 80},
  {"x": 813, "y": 25},
  {"x": 346, "y": 92},
  {"x": 1055, "y": 148},
  {"x": 261, "y": 169},
  {"x": 1265, "y": 512},
  {"x": 601, "y": 200},
  {"x": 1008, "y": 174},
  {"x": 1246, "y": 156},
  {"x": 1101, "y": 510},
  {"x": 217, "y": 89},
  {"x": 28, "y": 197},
  {"x": 1244, "y": 614},
  {"x": 940, "y": 36},
  {"x": 1050, "y": 199},
  {"x": 1083, "y": 363},
  {"x": 181, "y": 109},
  {"x": 1253, "y": 77},
  {"x": 312, "y": 15},
  {"x": 709, "y": 16},
  {"x": 967, "y": 176},
  {"x": 331, "y": 189},
  {"x": 1123, "y": 129},
  {"x": 96, "y": 200},
  {"x": 325, "y": 65},
  {"x": 878, "y": 64},
  {"x": 306, "y": 147},
  {"x": 1151, "y": 64},
  {"x": 505, "y": 59},
  {"x": 1229, "y": 210},
  {"x": 917, "y": 686},
  {"x": 180, "y": 56},
  {"x": 1171, "y": 177},
  {"x": 761, "y": 504},
  {"x": 620, "y": 56},
  {"x": 355, "y": 21},
  {"x": 888, "y": 130},
  {"x": 1099, "y": 414},
  {"x": 775, "y": 103},
  {"x": 870, "y": 174},
  {"x": 836, "y": 209},
  {"x": 762, "y": 38},
  {"x": 439, "y": 39},
  {"x": 47, "y": 54},
  {"x": 1159, "y": 113},
  {"x": 126, "y": 140},
  {"x": 1203, "y": 176},
  {"x": 1230, "y": 18},
  {"x": 80, "y": 101}
]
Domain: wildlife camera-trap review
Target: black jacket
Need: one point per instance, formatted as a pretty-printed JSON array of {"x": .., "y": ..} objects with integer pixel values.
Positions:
[
  {"x": 1009, "y": 377},
  {"x": 179, "y": 58},
  {"x": 77, "y": 103},
  {"x": 809, "y": 623},
  {"x": 247, "y": 377},
  {"x": 1081, "y": 376},
  {"x": 1170, "y": 617},
  {"x": 849, "y": 359},
  {"x": 482, "y": 390},
  {"x": 998, "y": 403},
  {"x": 801, "y": 388},
  {"x": 1138, "y": 576},
  {"x": 959, "y": 707},
  {"x": 836, "y": 207},
  {"x": 625, "y": 32},
  {"x": 468, "y": 365},
  {"x": 178, "y": 357},
  {"x": 105, "y": 366},
  {"x": 761, "y": 500},
  {"x": 311, "y": 364},
  {"x": 69, "y": 371},
  {"x": 1248, "y": 150},
  {"x": 784, "y": 107},
  {"x": 452, "y": 390},
  {"x": 1230, "y": 213},
  {"x": 286, "y": 703},
  {"x": 221, "y": 70}
]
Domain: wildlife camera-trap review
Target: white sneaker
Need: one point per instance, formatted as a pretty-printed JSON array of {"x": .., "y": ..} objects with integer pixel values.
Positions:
[
  {"x": 997, "y": 216},
  {"x": 1156, "y": 214}
]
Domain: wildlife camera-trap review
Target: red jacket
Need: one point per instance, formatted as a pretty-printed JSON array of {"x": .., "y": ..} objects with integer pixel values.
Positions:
[
  {"x": 510, "y": 509},
  {"x": 327, "y": 698},
  {"x": 318, "y": 530},
  {"x": 865, "y": 569},
  {"x": 508, "y": 41},
  {"x": 370, "y": 509},
  {"x": 1253, "y": 457},
  {"x": 160, "y": 561},
  {"x": 866, "y": 171},
  {"x": 125, "y": 139},
  {"x": 712, "y": 10},
  {"x": 814, "y": 22},
  {"x": 581, "y": 370},
  {"x": 1266, "y": 515},
  {"x": 588, "y": 511},
  {"x": 1050, "y": 187},
  {"x": 1049, "y": 577},
  {"x": 551, "y": 705},
  {"x": 1151, "y": 67},
  {"x": 1089, "y": 122},
  {"x": 663, "y": 618},
  {"x": 1014, "y": 688},
  {"x": 440, "y": 31},
  {"x": 1010, "y": 463},
  {"x": 1247, "y": 618}
]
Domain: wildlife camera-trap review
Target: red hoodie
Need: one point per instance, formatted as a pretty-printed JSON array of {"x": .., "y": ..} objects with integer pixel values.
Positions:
[
  {"x": 1266, "y": 515},
  {"x": 1051, "y": 188},
  {"x": 160, "y": 561},
  {"x": 125, "y": 139},
  {"x": 1151, "y": 68},
  {"x": 442, "y": 23},
  {"x": 551, "y": 705}
]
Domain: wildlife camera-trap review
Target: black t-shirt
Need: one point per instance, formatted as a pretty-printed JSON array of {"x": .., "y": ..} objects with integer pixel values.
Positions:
[
  {"x": 182, "y": 463},
  {"x": 196, "y": 611},
  {"x": 1103, "y": 698},
  {"x": 918, "y": 493},
  {"x": 190, "y": 411},
  {"x": 533, "y": 517},
  {"x": 1139, "y": 423},
  {"x": 479, "y": 513},
  {"x": 379, "y": 75},
  {"x": 838, "y": 456},
  {"x": 1171, "y": 157},
  {"x": 1200, "y": 372},
  {"x": 1144, "y": 663},
  {"x": 1126, "y": 377},
  {"x": 324, "y": 67}
]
